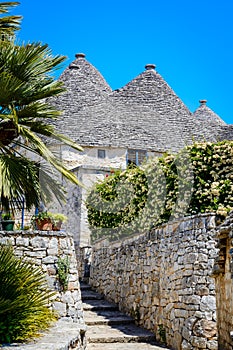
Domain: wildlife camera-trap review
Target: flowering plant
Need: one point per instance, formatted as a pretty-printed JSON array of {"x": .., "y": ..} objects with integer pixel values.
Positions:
[{"x": 198, "y": 180}]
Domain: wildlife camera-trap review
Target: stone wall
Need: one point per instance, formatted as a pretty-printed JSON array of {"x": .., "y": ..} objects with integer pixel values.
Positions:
[
  {"x": 44, "y": 248},
  {"x": 163, "y": 279},
  {"x": 223, "y": 272}
]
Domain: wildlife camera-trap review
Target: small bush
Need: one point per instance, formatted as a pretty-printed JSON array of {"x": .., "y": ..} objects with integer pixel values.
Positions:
[
  {"x": 115, "y": 201},
  {"x": 63, "y": 266},
  {"x": 24, "y": 298}
]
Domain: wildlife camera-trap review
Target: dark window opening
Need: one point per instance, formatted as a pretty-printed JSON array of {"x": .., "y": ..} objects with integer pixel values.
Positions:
[{"x": 101, "y": 153}]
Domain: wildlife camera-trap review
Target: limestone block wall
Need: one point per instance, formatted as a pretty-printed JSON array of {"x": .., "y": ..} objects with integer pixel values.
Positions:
[
  {"x": 223, "y": 272},
  {"x": 163, "y": 278},
  {"x": 44, "y": 248}
]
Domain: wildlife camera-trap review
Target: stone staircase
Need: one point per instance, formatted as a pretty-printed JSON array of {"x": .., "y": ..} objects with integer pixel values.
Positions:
[{"x": 110, "y": 329}]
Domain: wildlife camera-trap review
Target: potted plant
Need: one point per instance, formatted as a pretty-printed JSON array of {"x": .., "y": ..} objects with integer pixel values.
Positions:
[
  {"x": 57, "y": 219},
  {"x": 7, "y": 221},
  {"x": 48, "y": 221},
  {"x": 42, "y": 221}
]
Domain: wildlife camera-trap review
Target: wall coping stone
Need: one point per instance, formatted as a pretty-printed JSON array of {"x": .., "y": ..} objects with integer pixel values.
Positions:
[
  {"x": 90, "y": 167},
  {"x": 180, "y": 223},
  {"x": 35, "y": 233}
]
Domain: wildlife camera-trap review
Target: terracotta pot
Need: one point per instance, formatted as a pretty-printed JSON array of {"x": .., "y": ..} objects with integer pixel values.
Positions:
[{"x": 44, "y": 225}]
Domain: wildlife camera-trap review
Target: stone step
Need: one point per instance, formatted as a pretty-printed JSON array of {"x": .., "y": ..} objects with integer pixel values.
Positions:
[
  {"x": 110, "y": 329},
  {"x": 84, "y": 286},
  {"x": 118, "y": 334},
  {"x": 124, "y": 346},
  {"x": 103, "y": 317},
  {"x": 96, "y": 305},
  {"x": 90, "y": 295}
]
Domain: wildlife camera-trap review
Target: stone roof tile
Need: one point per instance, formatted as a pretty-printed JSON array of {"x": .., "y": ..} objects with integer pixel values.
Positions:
[
  {"x": 226, "y": 133},
  {"x": 205, "y": 114},
  {"x": 145, "y": 113}
]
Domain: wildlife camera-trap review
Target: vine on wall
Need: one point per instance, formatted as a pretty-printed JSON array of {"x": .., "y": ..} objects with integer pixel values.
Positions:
[
  {"x": 199, "y": 179},
  {"x": 63, "y": 266}
]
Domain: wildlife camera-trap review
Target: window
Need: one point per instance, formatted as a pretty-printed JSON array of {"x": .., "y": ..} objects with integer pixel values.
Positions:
[
  {"x": 135, "y": 156},
  {"x": 101, "y": 153}
]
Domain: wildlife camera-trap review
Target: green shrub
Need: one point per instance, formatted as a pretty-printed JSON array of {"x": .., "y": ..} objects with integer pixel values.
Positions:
[
  {"x": 63, "y": 266},
  {"x": 115, "y": 191},
  {"x": 24, "y": 298},
  {"x": 199, "y": 179}
]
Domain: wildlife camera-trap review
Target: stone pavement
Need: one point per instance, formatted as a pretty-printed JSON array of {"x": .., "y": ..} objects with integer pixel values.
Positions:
[
  {"x": 64, "y": 335},
  {"x": 110, "y": 329}
]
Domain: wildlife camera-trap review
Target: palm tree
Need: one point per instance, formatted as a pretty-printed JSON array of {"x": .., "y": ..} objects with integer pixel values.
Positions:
[
  {"x": 26, "y": 121},
  {"x": 8, "y": 24},
  {"x": 24, "y": 298}
]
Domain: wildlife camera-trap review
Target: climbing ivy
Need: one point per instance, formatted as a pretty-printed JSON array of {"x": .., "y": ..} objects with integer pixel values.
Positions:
[
  {"x": 199, "y": 179},
  {"x": 63, "y": 266}
]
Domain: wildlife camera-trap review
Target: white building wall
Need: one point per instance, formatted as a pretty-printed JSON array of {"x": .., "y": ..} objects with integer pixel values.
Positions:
[
  {"x": 115, "y": 157},
  {"x": 89, "y": 169}
]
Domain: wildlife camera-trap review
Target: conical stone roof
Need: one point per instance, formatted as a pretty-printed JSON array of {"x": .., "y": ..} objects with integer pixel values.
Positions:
[
  {"x": 146, "y": 113},
  {"x": 114, "y": 124},
  {"x": 226, "y": 133},
  {"x": 84, "y": 84},
  {"x": 205, "y": 114},
  {"x": 210, "y": 122},
  {"x": 151, "y": 90},
  {"x": 168, "y": 115}
]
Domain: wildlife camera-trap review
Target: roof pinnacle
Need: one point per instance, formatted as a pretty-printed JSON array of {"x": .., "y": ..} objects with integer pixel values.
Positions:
[
  {"x": 203, "y": 102},
  {"x": 80, "y": 55},
  {"x": 150, "y": 66}
]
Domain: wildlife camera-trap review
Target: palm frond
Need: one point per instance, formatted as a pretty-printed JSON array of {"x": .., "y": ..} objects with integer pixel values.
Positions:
[
  {"x": 37, "y": 110},
  {"x": 19, "y": 179},
  {"x": 8, "y": 24},
  {"x": 25, "y": 116},
  {"x": 24, "y": 296},
  {"x": 67, "y": 141},
  {"x": 38, "y": 147},
  {"x": 5, "y": 6}
]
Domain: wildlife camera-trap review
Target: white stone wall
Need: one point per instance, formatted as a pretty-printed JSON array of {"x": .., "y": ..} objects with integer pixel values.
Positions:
[
  {"x": 44, "y": 248},
  {"x": 89, "y": 169},
  {"x": 115, "y": 157},
  {"x": 163, "y": 279},
  {"x": 75, "y": 207}
]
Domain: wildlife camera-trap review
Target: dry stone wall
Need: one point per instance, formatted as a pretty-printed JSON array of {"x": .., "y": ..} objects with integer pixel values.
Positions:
[
  {"x": 44, "y": 248},
  {"x": 223, "y": 272},
  {"x": 163, "y": 278}
]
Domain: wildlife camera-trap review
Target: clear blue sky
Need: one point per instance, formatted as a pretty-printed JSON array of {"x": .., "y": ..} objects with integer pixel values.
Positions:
[{"x": 190, "y": 41}]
